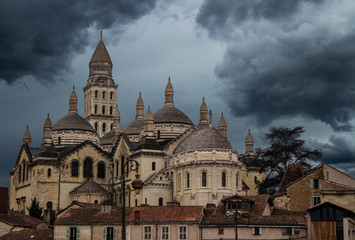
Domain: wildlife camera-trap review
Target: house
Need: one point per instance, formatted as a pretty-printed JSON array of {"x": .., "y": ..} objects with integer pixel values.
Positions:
[
  {"x": 323, "y": 183},
  {"x": 94, "y": 221},
  {"x": 255, "y": 220}
]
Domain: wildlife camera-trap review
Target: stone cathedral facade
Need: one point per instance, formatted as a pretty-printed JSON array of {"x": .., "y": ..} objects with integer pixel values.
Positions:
[{"x": 80, "y": 157}]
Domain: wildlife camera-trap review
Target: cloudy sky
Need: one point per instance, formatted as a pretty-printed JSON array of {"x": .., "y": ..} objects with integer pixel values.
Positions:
[{"x": 263, "y": 63}]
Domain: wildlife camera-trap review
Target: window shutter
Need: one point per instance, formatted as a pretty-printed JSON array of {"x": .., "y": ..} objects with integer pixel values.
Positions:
[
  {"x": 78, "y": 233},
  {"x": 67, "y": 233},
  {"x": 114, "y": 233},
  {"x": 104, "y": 233},
  {"x": 311, "y": 183}
]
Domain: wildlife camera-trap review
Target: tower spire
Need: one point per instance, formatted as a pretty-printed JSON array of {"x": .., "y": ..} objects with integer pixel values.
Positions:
[
  {"x": 140, "y": 108},
  {"x": 222, "y": 126},
  {"x": 149, "y": 124},
  {"x": 26, "y": 137},
  {"x": 169, "y": 94},
  {"x": 73, "y": 101},
  {"x": 203, "y": 113},
  {"x": 249, "y": 144},
  {"x": 47, "y": 132}
]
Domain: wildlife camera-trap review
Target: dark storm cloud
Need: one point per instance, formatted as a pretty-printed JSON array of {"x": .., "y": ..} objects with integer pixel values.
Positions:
[
  {"x": 284, "y": 60},
  {"x": 38, "y": 38}
]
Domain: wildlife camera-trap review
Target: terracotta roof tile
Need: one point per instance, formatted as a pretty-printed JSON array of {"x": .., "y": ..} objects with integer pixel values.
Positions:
[
  {"x": 326, "y": 185},
  {"x": 15, "y": 218},
  {"x": 45, "y": 234},
  {"x": 293, "y": 172}
]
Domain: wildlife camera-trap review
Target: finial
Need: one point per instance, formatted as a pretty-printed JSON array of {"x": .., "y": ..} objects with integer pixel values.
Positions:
[
  {"x": 73, "y": 88},
  {"x": 148, "y": 107},
  {"x": 47, "y": 115},
  {"x": 101, "y": 34},
  {"x": 140, "y": 94},
  {"x": 249, "y": 130},
  {"x": 27, "y": 127},
  {"x": 222, "y": 114},
  {"x": 203, "y": 99},
  {"x": 169, "y": 79}
]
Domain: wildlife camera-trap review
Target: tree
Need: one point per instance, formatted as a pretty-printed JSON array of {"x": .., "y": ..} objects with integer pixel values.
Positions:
[
  {"x": 35, "y": 210},
  {"x": 286, "y": 148}
]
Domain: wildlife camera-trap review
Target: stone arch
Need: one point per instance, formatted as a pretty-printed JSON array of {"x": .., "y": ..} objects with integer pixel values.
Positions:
[{"x": 87, "y": 170}]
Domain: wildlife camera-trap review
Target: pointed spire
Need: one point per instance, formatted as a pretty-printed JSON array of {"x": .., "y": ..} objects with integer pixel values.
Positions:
[
  {"x": 140, "y": 108},
  {"x": 116, "y": 121},
  {"x": 149, "y": 124},
  {"x": 169, "y": 94},
  {"x": 249, "y": 144},
  {"x": 73, "y": 101},
  {"x": 222, "y": 126},
  {"x": 47, "y": 131},
  {"x": 100, "y": 63},
  {"x": 203, "y": 113},
  {"x": 27, "y": 137}
]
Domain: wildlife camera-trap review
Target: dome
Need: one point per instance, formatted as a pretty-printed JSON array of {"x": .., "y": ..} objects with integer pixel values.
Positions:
[
  {"x": 73, "y": 121},
  {"x": 134, "y": 127},
  {"x": 204, "y": 138},
  {"x": 170, "y": 114}
]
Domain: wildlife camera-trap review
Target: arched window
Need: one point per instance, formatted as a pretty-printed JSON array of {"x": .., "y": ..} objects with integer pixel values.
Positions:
[
  {"x": 116, "y": 168},
  {"x": 111, "y": 95},
  {"x": 204, "y": 179},
  {"x": 153, "y": 166},
  {"x": 74, "y": 169},
  {"x": 27, "y": 173},
  {"x": 136, "y": 202},
  {"x": 104, "y": 127},
  {"x": 96, "y": 127},
  {"x": 88, "y": 168},
  {"x": 49, "y": 206},
  {"x": 158, "y": 133},
  {"x": 59, "y": 140},
  {"x": 187, "y": 180},
  {"x": 24, "y": 171},
  {"x": 101, "y": 170},
  {"x": 49, "y": 172},
  {"x": 160, "y": 201},
  {"x": 96, "y": 202},
  {"x": 111, "y": 110},
  {"x": 95, "y": 109},
  {"x": 103, "y": 94},
  {"x": 255, "y": 179},
  {"x": 103, "y": 109},
  {"x": 19, "y": 174},
  {"x": 224, "y": 182},
  {"x": 122, "y": 164},
  {"x": 237, "y": 180},
  {"x": 111, "y": 126},
  {"x": 96, "y": 93}
]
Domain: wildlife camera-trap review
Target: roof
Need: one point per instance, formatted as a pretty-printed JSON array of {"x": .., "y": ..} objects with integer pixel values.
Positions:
[
  {"x": 293, "y": 172},
  {"x": 324, "y": 204},
  {"x": 149, "y": 143},
  {"x": 93, "y": 214},
  {"x": 73, "y": 121},
  {"x": 170, "y": 114},
  {"x": 108, "y": 138},
  {"x": 101, "y": 54},
  {"x": 70, "y": 150},
  {"x": 90, "y": 186},
  {"x": 204, "y": 138},
  {"x": 259, "y": 203},
  {"x": 43, "y": 234},
  {"x": 326, "y": 185},
  {"x": 18, "y": 219},
  {"x": 134, "y": 128}
]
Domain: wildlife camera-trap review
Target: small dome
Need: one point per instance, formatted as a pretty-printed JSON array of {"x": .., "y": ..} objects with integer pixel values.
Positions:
[
  {"x": 101, "y": 53},
  {"x": 73, "y": 121},
  {"x": 140, "y": 100},
  {"x": 204, "y": 138},
  {"x": 149, "y": 115},
  {"x": 203, "y": 105},
  {"x": 169, "y": 87},
  {"x": 170, "y": 114},
  {"x": 135, "y": 127}
]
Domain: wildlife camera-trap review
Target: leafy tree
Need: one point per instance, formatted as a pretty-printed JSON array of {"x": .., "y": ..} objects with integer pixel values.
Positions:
[
  {"x": 35, "y": 210},
  {"x": 286, "y": 148}
]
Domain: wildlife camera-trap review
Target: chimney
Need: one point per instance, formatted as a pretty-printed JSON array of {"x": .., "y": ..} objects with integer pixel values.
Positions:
[
  {"x": 4, "y": 200},
  {"x": 137, "y": 214},
  {"x": 173, "y": 204}
]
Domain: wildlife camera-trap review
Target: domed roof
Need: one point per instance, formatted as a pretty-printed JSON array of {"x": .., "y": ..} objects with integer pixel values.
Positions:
[
  {"x": 204, "y": 138},
  {"x": 101, "y": 53},
  {"x": 134, "y": 127},
  {"x": 170, "y": 114},
  {"x": 73, "y": 121}
]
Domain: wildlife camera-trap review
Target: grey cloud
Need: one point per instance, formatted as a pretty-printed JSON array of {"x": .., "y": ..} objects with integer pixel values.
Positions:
[
  {"x": 272, "y": 72},
  {"x": 39, "y": 38}
]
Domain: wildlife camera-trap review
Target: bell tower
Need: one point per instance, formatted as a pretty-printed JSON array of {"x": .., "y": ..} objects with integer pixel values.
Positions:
[{"x": 100, "y": 92}]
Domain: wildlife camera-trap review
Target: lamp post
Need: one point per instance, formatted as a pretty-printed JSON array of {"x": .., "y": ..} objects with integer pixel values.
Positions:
[{"x": 130, "y": 165}]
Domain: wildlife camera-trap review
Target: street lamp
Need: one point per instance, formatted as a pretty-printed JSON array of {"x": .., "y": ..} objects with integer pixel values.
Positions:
[
  {"x": 130, "y": 165},
  {"x": 241, "y": 204}
]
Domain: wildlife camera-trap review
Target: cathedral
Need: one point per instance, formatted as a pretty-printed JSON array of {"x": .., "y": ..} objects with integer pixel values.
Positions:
[{"x": 81, "y": 157}]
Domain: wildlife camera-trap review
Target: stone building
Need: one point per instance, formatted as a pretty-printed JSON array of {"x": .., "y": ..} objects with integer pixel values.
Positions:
[{"x": 81, "y": 158}]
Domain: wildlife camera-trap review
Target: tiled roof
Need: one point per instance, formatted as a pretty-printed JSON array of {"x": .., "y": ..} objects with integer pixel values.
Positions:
[
  {"x": 326, "y": 185},
  {"x": 293, "y": 172},
  {"x": 259, "y": 203},
  {"x": 89, "y": 186},
  {"x": 15, "y": 218},
  {"x": 93, "y": 214},
  {"x": 73, "y": 121},
  {"x": 44, "y": 234},
  {"x": 134, "y": 127},
  {"x": 101, "y": 54}
]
